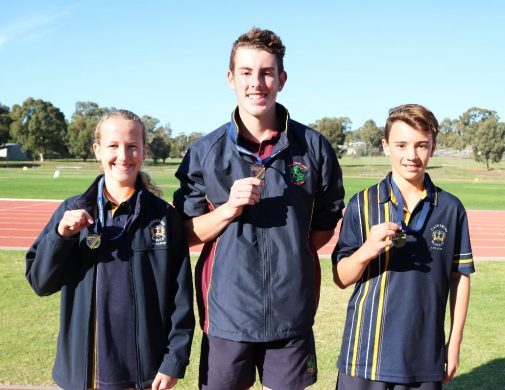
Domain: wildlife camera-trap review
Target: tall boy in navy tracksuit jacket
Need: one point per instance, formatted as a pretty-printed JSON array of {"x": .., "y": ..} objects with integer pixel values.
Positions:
[{"x": 263, "y": 192}]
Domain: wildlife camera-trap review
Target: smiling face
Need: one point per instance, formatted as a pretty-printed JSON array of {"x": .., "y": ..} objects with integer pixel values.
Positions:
[
  {"x": 409, "y": 150},
  {"x": 256, "y": 81},
  {"x": 121, "y": 151}
]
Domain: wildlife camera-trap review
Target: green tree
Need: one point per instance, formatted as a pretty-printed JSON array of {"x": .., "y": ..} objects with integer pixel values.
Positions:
[
  {"x": 451, "y": 134},
  {"x": 489, "y": 141},
  {"x": 150, "y": 125},
  {"x": 179, "y": 145},
  {"x": 334, "y": 129},
  {"x": 5, "y": 122},
  {"x": 159, "y": 147},
  {"x": 183, "y": 142},
  {"x": 193, "y": 137},
  {"x": 372, "y": 136},
  {"x": 81, "y": 131},
  {"x": 469, "y": 120},
  {"x": 39, "y": 127}
]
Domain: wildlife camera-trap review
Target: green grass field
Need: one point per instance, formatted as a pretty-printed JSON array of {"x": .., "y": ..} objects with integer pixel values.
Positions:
[
  {"x": 29, "y": 329},
  {"x": 29, "y": 324},
  {"x": 477, "y": 188}
]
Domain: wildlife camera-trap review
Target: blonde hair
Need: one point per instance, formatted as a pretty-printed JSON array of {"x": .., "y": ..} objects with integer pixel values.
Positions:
[{"x": 147, "y": 181}]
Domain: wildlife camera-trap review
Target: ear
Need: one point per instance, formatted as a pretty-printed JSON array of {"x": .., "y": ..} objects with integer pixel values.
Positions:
[
  {"x": 385, "y": 146},
  {"x": 283, "y": 77},
  {"x": 231, "y": 79},
  {"x": 96, "y": 150}
]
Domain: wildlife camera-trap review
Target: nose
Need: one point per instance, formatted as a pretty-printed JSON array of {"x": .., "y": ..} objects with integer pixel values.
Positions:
[
  {"x": 411, "y": 152},
  {"x": 255, "y": 79},
  {"x": 122, "y": 153}
]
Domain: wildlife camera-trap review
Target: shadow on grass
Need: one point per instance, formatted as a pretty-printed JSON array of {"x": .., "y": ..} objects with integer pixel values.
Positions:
[{"x": 489, "y": 376}]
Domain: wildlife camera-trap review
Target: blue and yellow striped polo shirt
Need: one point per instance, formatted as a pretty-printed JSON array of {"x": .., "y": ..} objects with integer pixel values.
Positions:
[{"x": 394, "y": 330}]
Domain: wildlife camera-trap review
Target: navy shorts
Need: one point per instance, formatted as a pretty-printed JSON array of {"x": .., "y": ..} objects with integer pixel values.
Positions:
[
  {"x": 282, "y": 365},
  {"x": 347, "y": 382}
]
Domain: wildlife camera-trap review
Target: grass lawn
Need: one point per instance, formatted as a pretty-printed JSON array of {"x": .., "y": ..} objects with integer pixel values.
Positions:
[
  {"x": 477, "y": 188},
  {"x": 29, "y": 330}
]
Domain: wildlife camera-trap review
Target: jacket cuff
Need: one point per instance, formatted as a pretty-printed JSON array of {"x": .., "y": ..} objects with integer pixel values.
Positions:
[{"x": 171, "y": 367}]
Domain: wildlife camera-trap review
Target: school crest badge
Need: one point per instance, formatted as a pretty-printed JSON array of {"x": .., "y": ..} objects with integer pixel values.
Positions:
[
  {"x": 311, "y": 364},
  {"x": 438, "y": 236},
  {"x": 158, "y": 232},
  {"x": 297, "y": 172}
]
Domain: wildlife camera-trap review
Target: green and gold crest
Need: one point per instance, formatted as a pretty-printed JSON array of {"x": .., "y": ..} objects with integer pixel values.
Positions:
[{"x": 298, "y": 171}]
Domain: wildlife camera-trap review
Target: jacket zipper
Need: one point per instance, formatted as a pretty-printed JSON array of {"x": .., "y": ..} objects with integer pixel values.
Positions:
[
  {"x": 91, "y": 343},
  {"x": 266, "y": 274},
  {"x": 136, "y": 325},
  {"x": 135, "y": 306}
]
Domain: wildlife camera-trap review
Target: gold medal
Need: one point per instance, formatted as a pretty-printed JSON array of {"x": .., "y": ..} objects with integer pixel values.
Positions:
[
  {"x": 399, "y": 239},
  {"x": 258, "y": 171},
  {"x": 93, "y": 241}
]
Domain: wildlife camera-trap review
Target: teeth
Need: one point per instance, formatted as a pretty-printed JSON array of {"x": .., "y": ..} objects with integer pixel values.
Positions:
[{"x": 256, "y": 97}]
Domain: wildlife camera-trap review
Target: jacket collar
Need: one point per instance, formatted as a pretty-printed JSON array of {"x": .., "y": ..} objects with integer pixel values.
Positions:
[
  {"x": 88, "y": 198},
  {"x": 282, "y": 143}
]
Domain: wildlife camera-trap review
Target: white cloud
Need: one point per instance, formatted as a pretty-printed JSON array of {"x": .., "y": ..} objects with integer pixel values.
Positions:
[{"x": 28, "y": 28}]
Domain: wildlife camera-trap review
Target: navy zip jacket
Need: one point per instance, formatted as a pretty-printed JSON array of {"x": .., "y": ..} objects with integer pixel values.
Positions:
[
  {"x": 259, "y": 279},
  {"x": 161, "y": 283}
]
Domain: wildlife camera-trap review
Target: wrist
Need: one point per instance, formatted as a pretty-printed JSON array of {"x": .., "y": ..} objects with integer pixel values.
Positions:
[
  {"x": 362, "y": 257},
  {"x": 228, "y": 212}
]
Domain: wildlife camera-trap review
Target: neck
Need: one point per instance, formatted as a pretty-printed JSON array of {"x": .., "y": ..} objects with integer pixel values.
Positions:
[
  {"x": 117, "y": 193},
  {"x": 411, "y": 192},
  {"x": 258, "y": 128}
]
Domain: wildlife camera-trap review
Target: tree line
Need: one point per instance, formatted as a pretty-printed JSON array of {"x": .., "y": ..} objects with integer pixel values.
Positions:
[
  {"x": 42, "y": 130},
  {"x": 478, "y": 128}
]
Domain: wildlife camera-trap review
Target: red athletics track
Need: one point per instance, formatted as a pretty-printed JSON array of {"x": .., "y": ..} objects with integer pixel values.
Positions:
[{"x": 22, "y": 220}]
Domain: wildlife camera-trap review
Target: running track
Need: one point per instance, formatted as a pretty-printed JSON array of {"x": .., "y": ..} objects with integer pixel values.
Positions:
[{"x": 22, "y": 220}]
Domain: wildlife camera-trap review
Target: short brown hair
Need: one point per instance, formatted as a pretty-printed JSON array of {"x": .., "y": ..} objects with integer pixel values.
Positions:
[
  {"x": 414, "y": 115},
  {"x": 257, "y": 38}
]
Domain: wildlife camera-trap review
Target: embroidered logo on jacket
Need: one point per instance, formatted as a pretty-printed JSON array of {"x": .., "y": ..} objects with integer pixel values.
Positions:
[
  {"x": 438, "y": 235},
  {"x": 311, "y": 364},
  {"x": 298, "y": 171},
  {"x": 158, "y": 232}
]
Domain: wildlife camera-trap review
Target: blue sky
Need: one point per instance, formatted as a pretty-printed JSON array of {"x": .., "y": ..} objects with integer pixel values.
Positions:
[{"x": 168, "y": 59}]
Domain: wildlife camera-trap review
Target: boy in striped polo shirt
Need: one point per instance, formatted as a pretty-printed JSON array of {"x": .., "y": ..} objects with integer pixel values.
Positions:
[{"x": 405, "y": 245}]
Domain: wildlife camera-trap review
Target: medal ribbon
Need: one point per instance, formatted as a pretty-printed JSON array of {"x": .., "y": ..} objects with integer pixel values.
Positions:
[
  {"x": 258, "y": 161},
  {"x": 424, "y": 212},
  {"x": 100, "y": 224}
]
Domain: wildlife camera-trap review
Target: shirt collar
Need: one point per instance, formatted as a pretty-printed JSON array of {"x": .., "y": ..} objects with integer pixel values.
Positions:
[
  {"x": 386, "y": 193},
  {"x": 282, "y": 118}
]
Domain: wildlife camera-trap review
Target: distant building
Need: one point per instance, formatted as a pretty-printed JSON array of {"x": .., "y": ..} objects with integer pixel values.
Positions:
[
  {"x": 357, "y": 148},
  {"x": 12, "y": 152}
]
